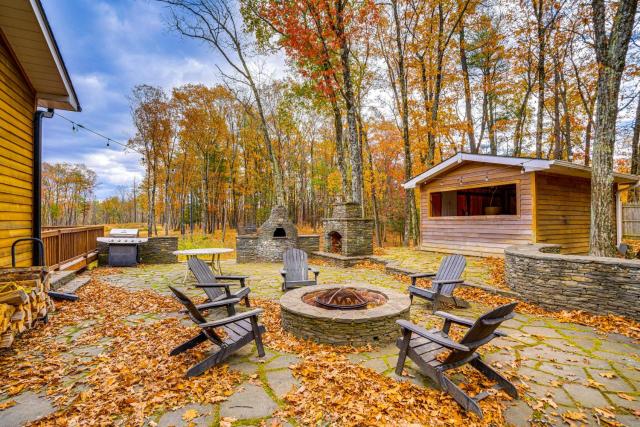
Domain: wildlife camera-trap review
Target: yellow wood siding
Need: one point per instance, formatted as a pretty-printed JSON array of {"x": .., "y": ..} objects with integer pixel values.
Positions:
[
  {"x": 17, "y": 105},
  {"x": 563, "y": 209},
  {"x": 477, "y": 235}
]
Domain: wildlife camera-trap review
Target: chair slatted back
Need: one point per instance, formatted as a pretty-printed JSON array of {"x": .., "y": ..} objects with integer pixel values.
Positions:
[
  {"x": 203, "y": 274},
  {"x": 195, "y": 315},
  {"x": 451, "y": 268},
  {"x": 481, "y": 332},
  {"x": 296, "y": 265}
]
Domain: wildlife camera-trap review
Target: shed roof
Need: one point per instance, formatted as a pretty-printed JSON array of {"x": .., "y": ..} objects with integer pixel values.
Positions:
[
  {"x": 25, "y": 26},
  {"x": 560, "y": 167}
]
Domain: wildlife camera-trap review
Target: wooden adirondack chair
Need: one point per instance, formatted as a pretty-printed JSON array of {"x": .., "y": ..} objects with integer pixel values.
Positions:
[
  {"x": 218, "y": 291},
  {"x": 295, "y": 273},
  {"x": 423, "y": 347},
  {"x": 239, "y": 330},
  {"x": 443, "y": 282}
]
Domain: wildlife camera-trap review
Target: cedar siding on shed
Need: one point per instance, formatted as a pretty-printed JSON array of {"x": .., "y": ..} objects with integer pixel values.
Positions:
[
  {"x": 529, "y": 201},
  {"x": 563, "y": 207},
  {"x": 17, "y": 105},
  {"x": 483, "y": 234}
]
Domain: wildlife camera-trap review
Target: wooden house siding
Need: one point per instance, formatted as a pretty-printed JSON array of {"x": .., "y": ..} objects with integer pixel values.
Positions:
[
  {"x": 477, "y": 235},
  {"x": 17, "y": 106},
  {"x": 563, "y": 212}
]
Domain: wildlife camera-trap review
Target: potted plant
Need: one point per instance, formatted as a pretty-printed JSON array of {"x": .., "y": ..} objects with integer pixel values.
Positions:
[{"x": 491, "y": 209}]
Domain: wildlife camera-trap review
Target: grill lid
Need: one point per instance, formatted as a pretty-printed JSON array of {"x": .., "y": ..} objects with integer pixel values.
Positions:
[{"x": 124, "y": 232}]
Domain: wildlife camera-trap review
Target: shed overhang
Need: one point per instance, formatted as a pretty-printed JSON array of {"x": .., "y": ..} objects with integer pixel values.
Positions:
[{"x": 26, "y": 29}]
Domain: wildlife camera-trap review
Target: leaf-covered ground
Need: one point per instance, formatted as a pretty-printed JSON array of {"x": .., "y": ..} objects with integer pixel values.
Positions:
[{"x": 104, "y": 361}]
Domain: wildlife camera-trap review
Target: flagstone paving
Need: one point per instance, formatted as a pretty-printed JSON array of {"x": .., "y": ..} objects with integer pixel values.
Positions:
[{"x": 563, "y": 366}]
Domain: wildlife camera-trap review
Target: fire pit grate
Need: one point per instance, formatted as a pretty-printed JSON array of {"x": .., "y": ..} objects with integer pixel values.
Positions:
[{"x": 344, "y": 298}]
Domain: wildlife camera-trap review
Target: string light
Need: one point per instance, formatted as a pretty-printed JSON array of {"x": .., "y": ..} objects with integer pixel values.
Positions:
[{"x": 75, "y": 126}]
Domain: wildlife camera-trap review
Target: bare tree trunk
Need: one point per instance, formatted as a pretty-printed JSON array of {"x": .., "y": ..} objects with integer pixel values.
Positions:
[
  {"x": 355, "y": 150},
  {"x": 340, "y": 153},
  {"x": 635, "y": 161},
  {"x": 539, "y": 10},
  {"x": 409, "y": 198},
  {"x": 611, "y": 52},
  {"x": 467, "y": 93}
]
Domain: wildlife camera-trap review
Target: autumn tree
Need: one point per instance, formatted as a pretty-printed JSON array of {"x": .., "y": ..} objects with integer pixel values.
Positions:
[
  {"x": 611, "y": 43},
  {"x": 215, "y": 22}
]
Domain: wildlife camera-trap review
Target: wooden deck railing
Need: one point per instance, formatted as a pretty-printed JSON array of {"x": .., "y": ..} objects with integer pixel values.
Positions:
[{"x": 69, "y": 247}]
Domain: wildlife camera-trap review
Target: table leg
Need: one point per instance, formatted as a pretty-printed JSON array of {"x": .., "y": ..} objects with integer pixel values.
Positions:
[
  {"x": 219, "y": 265},
  {"x": 186, "y": 271}
]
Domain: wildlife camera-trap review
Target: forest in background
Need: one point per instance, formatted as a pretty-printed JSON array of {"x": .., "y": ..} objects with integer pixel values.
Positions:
[{"x": 372, "y": 94}]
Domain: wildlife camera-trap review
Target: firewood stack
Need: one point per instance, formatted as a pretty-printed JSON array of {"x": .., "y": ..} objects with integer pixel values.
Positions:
[{"x": 23, "y": 301}]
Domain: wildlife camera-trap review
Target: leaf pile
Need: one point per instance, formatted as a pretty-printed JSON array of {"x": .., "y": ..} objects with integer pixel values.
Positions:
[
  {"x": 279, "y": 339},
  {"x": 337, "y": 392},
  {"x": 603, "y": 323},
  {"x": 132, "y": 377},
  {"x": 496, "y": 272}
]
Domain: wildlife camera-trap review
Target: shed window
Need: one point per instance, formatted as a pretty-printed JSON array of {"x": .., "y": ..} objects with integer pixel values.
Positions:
[{"x": 490, "y": 200}]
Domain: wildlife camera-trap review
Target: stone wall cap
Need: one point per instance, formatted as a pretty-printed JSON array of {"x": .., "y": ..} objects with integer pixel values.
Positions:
[{"x": 536, "y": 251}]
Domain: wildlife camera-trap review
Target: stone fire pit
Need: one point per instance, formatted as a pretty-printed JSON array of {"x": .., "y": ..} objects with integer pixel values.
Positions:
[{"x": 372, "y": 325}]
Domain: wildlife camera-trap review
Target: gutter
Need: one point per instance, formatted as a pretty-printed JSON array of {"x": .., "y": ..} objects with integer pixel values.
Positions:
[{"x": 37, "y": 180}]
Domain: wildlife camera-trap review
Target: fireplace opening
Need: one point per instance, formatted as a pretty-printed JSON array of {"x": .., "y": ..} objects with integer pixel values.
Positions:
[
  {"x": 279, "y": 232},
  {"x": 336, "y": 242}
]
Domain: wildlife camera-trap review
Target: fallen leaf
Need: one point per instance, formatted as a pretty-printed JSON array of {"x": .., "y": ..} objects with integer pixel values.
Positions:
[
  {"x": 626, "y": 397},
  {"x": 7, "y": 404},
  {"x": 607, "y": 374},
  {"x": 190, "y": 414}
]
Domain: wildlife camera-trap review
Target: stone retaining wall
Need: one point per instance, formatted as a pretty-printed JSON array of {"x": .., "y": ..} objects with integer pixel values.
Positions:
[
  {"x": 157, "y": 250},
  {"x": 251, "y": 248},
  {"x": 571, "y": 282}
]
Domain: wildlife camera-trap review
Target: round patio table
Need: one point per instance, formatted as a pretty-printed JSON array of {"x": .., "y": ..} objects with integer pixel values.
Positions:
[{"x": 215, "y": 257}]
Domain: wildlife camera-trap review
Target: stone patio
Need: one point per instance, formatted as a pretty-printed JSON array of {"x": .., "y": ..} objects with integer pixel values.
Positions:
[{"x": 565, "y": 367}]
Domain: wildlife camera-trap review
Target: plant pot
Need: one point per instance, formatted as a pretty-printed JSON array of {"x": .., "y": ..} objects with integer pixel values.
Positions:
[{"x": 493, "y": 210}]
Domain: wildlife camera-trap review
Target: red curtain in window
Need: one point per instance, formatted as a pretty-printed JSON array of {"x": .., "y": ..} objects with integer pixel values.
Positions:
[{"x": 436, "y": 204}]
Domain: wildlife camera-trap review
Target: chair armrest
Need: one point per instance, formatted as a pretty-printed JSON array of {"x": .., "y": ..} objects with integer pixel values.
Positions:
[
  {"x": 445, "y": 342},
  {"x": 240, "y": 279},
  {"x": 415, "y": 276},
  {"x": 214, "y": 285},
  {"x": 221, "y": 303},
  {"x": 231, "y": 319},
  {"x": 455, "y": 319},
  {"x": 447, "y": 282},
  {"x": 315, "y": 272},
  {"x": 283, "y": 273},
  {"x": 421, "y": 275}
]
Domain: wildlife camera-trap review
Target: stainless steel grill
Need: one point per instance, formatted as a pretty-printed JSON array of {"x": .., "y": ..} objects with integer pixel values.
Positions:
[{"x": 123, "y": 246}]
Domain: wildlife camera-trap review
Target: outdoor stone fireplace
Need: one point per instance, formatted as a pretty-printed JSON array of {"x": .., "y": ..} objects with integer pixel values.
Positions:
[
  {"x": 346, "y": 232},
  {"x": 374, "y": 323},
  {"x": 277, "y": 234}
]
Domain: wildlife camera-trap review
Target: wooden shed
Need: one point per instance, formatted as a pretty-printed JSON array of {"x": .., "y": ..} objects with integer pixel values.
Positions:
[
  {"x": 32, "y": 75},
  {"x": 478, "y": 204}
]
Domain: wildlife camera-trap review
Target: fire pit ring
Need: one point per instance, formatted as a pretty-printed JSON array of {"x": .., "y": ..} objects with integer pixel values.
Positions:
[
  {"x": 342, "y": 299},
  {"x": 374, "y": 324}
]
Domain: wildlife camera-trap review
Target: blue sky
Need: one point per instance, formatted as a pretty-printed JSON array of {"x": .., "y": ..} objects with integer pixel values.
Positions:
[{"x": 109, "y": 47}]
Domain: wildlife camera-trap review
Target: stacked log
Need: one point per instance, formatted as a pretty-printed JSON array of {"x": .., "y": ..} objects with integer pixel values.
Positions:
[{"x": 23, "y": 301}]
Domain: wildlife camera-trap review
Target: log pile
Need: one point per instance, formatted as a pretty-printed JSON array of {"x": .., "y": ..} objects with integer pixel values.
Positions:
[{"x": 23, "y": 301}]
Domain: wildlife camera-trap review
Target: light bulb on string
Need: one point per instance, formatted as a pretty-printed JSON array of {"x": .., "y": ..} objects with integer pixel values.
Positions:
[{"x": 108, "y": 140}]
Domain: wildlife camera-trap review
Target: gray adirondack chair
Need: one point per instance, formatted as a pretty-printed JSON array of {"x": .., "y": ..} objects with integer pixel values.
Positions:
[
  {"x": 217, "y": 291},
  {"x": 443, "y": 282},
  {"x": 424, "y": 346},
  {"x": 295, "y": 273},
  {"x": 239, "y": 329}
]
